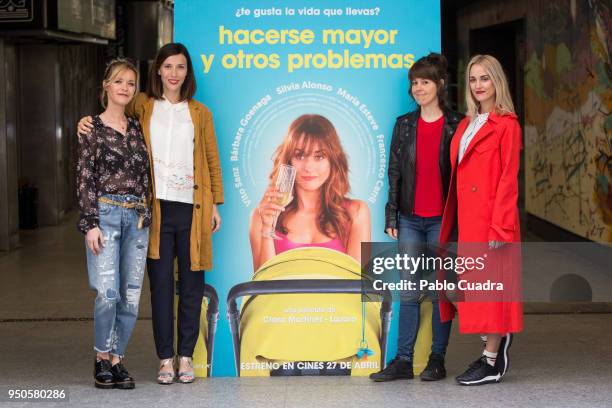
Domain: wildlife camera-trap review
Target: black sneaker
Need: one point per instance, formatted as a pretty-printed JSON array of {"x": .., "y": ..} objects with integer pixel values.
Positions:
[
  {"x": 123, "y": 379},
  {"x": 435, "y": 368},
  {"x": 503, "y": 360},
  {"x": 103, "y": 377},
  {"x": 399, "y": 367},
  {"x": 479, "y": 372}
]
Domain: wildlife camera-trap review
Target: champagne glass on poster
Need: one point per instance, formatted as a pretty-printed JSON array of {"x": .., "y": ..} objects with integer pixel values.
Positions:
[{"x": 285, "y": 179}]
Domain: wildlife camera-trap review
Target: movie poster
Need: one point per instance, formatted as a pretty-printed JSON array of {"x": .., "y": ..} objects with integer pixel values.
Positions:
[{"x": 315, "y": 86}]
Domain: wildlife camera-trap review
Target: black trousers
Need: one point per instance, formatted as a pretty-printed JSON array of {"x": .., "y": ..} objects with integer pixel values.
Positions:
[{"x": 174, "y": 242}]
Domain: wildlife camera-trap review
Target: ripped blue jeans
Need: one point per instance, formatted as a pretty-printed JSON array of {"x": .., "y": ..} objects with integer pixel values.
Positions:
[{"x": 116, "y": 275}]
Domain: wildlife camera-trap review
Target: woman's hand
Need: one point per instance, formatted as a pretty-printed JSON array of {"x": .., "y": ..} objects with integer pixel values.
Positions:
[
  {"x": 85, "y": 126},
  {"x": 392, "y": 232},
  {"x": 261, "y": 226},
  {"x": 268, "y": 209},
  {"x": 95, "y": 240},
  {"x": 216, "y": 219}
]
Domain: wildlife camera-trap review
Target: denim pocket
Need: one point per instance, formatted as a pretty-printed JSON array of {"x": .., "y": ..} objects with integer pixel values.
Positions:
[{"x": 104, "y": 209}]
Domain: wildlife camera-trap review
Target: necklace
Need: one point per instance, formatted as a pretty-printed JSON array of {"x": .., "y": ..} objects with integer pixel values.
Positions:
[{"x": 120, "y": 125}]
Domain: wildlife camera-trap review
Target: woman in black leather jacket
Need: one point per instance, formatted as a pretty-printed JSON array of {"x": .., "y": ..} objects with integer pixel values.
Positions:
[{"x": 419, "y": 172}]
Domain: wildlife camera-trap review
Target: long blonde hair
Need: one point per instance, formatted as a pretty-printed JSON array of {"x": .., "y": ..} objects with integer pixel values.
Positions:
[{"x": 503, "y": 99}]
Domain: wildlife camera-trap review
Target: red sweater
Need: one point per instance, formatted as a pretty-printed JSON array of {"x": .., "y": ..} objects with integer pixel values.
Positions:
[{"x": 428, "y": 191}]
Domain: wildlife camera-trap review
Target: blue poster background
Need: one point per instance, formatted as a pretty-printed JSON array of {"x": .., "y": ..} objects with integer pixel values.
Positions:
[{"x": 253, "y": 107}]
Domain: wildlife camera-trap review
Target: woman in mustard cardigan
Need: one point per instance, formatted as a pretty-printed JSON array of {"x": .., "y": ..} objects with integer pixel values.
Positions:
[{"x": 187, "y": 187}]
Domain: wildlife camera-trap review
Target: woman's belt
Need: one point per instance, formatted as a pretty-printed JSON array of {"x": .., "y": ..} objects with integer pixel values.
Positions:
[{"x": 139, "y": 205}]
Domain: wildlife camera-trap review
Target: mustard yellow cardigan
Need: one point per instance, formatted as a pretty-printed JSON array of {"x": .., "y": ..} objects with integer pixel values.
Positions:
[{"x": 208, "y": 185}]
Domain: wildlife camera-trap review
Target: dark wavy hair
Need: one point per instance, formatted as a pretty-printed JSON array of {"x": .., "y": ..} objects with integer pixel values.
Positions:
[
  {"x": 155, "y": 88},
  {"x": 433, "y": 67}
]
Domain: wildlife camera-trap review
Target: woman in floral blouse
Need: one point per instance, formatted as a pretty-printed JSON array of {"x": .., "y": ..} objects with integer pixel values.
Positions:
[
  {"x": 113, "y": 187},
  {"x": 186, "y": 188}
]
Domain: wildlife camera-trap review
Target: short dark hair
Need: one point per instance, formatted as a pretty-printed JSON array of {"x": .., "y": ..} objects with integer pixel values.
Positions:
[
  {"x": 433, "y": 67},
  {"x": 155, "y": 88}
]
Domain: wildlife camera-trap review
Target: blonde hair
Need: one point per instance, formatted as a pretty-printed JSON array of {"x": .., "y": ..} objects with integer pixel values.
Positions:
[
  {"x": 113, "y": 69},
  {"x": 503, "y": 99}
]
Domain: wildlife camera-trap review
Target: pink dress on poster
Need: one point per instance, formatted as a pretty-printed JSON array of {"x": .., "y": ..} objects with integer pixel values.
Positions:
[{"x": 285, "y": 244}]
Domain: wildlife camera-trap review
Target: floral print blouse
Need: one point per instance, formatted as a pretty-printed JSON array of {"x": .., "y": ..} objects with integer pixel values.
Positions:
[{"x": 110, "y": 163}]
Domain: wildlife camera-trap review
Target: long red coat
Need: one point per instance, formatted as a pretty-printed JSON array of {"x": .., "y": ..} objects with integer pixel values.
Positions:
[{"x": 482, "y": 206}]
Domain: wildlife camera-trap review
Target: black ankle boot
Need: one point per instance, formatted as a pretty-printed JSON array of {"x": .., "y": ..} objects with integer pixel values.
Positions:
[
  {"x": 123, "y": 379},
  {"x": 103, "y": 378},
  {"x": 435, "y": 368},
  {"x": 399, "y": 367}
]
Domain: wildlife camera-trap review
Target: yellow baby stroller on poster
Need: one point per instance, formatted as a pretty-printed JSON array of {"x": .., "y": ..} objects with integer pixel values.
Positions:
[{"x": 303, "y": 314}]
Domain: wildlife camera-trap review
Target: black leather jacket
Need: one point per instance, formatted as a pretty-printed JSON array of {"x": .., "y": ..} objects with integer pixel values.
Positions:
[{"x": 402, "y": 163}]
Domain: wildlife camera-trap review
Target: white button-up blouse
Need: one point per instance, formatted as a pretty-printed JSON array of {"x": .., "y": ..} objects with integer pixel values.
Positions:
[{"x": 172, "y": 144}]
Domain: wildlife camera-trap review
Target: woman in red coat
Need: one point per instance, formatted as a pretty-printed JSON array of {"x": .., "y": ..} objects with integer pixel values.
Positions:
[{"x": 482, "y": 209}]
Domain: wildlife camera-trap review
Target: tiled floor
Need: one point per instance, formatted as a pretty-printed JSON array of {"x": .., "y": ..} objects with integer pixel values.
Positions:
[{"x": 559, "y": 361}]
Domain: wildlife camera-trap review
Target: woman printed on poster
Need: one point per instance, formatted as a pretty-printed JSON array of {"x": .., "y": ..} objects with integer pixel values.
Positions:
[{"x": 320, "y": 214}]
